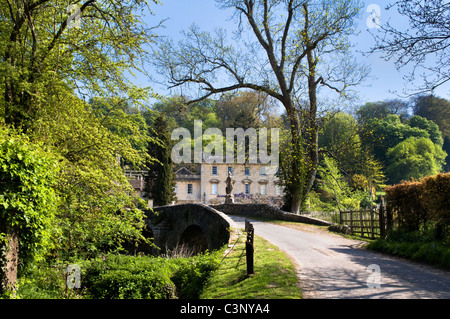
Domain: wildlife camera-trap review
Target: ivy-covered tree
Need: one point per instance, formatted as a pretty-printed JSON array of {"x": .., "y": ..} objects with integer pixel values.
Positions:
[
  {"x": 160, "y": 179},
  {"x": 27, "y": 203}
]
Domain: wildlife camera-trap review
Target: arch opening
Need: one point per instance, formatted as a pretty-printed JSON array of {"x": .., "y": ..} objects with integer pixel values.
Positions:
[{"x": 193, "y": 240}]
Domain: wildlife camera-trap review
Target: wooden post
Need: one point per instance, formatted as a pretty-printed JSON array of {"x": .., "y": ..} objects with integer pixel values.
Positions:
[
  {"x": 249, "y": 247},
  {"x": 389, "y": 219},
  {"x": 361, "y": 222},
  {"x": 382, "y": 221},
  {"x": 351, "y": 222},
  {"x": 371, "y": 223}
]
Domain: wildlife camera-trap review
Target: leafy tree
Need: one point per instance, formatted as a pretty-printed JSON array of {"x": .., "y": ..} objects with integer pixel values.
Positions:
[
  {"x": 41, "y": 47},
  {"x": 437, "y": 110},
  {"x": 297, "y": 48},
  {"x": 434, "y": 109},
  {"x": 334, "y": 183},
  {"x": 160, "y": 179},
  {"x": 370, "y": 176},
  {"x": 98, "y": 210},
  {"x": 386, "y": 133},
  {"x": 45, "y": 60},
  {"x": 245, "y": 109},
  {"x": 179, "y": 112},
  {"x": 27, "y": 203},
  {"x": 125, "y": 122},
  {"x": 414, "y": 158},
  {"x": 429, "y": 126},
  {"x": 381, "y": 109},
  {"x": 446, "y": 148},
  {"x": 339, "y": 138}
]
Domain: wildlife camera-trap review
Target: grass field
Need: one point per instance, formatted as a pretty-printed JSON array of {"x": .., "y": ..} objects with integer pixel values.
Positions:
[{"x": 274, "y": 276}]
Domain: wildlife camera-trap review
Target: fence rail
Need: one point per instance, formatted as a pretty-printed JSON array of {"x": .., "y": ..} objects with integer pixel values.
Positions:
[{"x": 369, "y": 223}]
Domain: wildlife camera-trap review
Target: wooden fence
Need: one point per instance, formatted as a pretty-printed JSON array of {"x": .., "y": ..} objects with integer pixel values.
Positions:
[{"x": 369, "y": 223}]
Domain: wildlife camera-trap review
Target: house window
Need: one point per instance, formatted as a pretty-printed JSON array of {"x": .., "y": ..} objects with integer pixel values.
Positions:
[
  {"x": 262, "y": 189},
  {"x": 214, "y": 188},
  {"x": 230, "y": 170},
  {"x": 214, "y": 170},
  {"x": 247, "y": 189},
  {"x": 189, "y": 189},
  {"x": 278, "y": 190},
  {"x": 263, "y": 170},
  {"x": 247, "y": 171}
]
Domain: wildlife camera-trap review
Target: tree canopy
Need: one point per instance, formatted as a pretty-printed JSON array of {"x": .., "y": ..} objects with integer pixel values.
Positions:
[
  {"x": 293, "y": 52},
  {"x": 414, "y": 158}
]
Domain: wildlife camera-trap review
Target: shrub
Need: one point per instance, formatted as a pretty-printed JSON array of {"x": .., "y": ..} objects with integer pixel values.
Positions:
[
  {"x": 436, "y": 198},
  {"x": 129, "y": 277},
  {"x": 417, "y": 202},
  {"x": 405, "y": 199},
  {"x": 192, "y": 274}
]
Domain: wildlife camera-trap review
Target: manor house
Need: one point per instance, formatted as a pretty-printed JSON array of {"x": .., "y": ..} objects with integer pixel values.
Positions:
[
  {"x": 257, "y": 183},
  {"x": 251, "y": 183}
]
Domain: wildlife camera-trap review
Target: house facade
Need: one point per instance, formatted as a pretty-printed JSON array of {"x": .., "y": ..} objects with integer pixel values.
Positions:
[{"x": 251, "y": 182}]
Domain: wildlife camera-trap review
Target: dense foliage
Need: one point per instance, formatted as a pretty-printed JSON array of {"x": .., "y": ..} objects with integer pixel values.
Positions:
[
  {"x": 160, "y": 179},
  {"x": 28, "y": 200},
  {"x": 419, "y": 202},
  {"x": 114, "y": 276},
  {"x": 49, "y": 68}
]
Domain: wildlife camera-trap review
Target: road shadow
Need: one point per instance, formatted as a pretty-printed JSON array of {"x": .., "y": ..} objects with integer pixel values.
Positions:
[{"x": 398, "y": 278}]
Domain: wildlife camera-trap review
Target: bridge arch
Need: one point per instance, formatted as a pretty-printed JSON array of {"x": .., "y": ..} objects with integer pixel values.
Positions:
[
  {"x": 193, "y": 224},
  {"x": 194, "y": 238}
]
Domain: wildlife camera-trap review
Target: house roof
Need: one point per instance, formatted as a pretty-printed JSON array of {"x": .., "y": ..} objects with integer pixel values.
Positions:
[{"x": 185, "y": 174}]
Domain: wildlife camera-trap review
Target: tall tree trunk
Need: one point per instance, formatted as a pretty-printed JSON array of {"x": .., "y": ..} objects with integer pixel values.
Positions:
[
  {"x": 312, "y": 131},
  {"x": 297, "y": 182},
  {"x": 304, "y": 172},
  {"x": 9, "y": 262}
]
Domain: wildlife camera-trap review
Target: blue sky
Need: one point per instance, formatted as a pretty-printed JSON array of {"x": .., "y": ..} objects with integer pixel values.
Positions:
[{"x": 384, "y": 77}]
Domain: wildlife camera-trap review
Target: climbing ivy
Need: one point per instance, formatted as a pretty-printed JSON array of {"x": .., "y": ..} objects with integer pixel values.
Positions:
[{"x": 27, "y": 197}]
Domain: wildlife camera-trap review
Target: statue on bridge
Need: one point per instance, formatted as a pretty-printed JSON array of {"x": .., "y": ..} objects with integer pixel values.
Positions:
[{"x": 229, "y": 198}]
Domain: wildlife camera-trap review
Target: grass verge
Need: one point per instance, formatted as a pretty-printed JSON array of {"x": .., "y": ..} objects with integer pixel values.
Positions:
[
  {"x": 414, "y": 246},
  {"x": 274, "y": 277}
]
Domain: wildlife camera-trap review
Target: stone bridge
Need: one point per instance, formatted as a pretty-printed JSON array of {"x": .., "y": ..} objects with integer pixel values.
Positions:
[{"x": 197, "y": 226}]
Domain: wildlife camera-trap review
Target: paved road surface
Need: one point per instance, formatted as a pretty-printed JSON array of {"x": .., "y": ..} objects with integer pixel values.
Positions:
[{"x": 330, "y": 266}]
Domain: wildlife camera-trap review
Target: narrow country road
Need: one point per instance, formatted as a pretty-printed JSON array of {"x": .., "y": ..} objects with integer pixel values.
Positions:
[{"x": 331, "y": 266}]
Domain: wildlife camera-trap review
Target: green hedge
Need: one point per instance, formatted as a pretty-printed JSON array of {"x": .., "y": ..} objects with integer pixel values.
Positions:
[
  {"x": 122, "y": 277},
  {"x": 419, "y": 202},
  {"x": 128, "y": 277}
]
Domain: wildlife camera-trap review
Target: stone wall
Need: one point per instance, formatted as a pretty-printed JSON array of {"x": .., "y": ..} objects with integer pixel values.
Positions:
[
  {"x": 172, "y": 225},
  {"x": 267, "y": 211}
]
